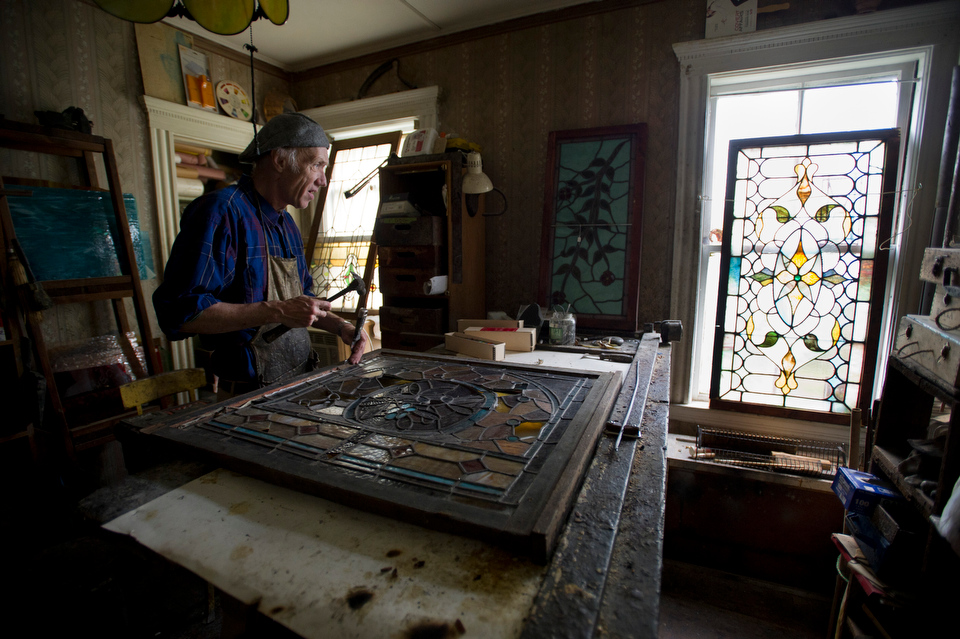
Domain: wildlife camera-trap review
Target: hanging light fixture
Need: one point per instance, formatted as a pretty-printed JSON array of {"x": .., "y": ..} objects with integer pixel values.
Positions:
[
  {"x": 476, "y": 182},
  {"x": 223, "y": 17}
]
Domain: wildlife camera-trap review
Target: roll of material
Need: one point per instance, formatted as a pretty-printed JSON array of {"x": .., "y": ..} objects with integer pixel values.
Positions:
[
  {"x": 188, "y": 158},
  {"x": 189, "y": 187},
  {"x": 180, "y": 147},
  {"x": 435, "y": 285},
  {"x": 206, "y": 172},
  {"x": 189, "y": 172}
]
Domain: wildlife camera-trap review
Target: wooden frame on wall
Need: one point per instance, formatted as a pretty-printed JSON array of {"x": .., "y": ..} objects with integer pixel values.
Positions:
[{"x": 592, "y": 225}]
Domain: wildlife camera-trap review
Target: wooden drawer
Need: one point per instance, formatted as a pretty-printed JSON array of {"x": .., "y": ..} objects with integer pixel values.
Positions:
[
  {"x": 428, "y": 257},
  {"x": 405, "y": 282},
  {"x": 400, "y": 341},
  {"x": 419, "y": 320},
  {"x": 422, "y": 231}
]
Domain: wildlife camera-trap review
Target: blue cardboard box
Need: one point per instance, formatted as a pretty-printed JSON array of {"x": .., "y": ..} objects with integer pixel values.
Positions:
[{"x": 860, "y": 492}]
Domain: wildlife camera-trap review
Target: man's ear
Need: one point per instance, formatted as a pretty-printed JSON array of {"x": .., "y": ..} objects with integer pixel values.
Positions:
[{"x": 278, "y": 160}]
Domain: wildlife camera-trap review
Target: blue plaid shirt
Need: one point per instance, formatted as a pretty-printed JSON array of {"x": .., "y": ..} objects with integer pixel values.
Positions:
[{"x": 221, "y": 255}]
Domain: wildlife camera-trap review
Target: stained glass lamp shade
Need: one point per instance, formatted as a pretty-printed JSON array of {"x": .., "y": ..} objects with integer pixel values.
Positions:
[{"x": 225, "y": 17}]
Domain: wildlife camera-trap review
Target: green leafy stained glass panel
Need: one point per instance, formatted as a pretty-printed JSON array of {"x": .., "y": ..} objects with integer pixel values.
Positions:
[{"x": 592, "y": 224}]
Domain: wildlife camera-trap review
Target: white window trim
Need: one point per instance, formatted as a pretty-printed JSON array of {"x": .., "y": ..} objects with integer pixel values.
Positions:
[
  {"x": 933, "y": 27},
  {"x": 419, "y": 103}
]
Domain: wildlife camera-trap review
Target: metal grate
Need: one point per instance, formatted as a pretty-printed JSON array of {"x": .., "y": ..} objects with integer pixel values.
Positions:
[{"x": 779, "y": 454}]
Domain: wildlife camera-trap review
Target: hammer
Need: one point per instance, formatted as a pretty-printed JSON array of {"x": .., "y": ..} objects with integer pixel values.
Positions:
[{"x": 356, "y": 285}]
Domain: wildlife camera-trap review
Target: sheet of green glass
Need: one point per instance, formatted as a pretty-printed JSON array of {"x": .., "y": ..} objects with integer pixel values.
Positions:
[{"x": 483, "y": 448}]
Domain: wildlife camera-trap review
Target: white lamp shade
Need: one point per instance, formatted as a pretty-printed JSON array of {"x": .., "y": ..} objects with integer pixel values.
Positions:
[{"x": 475, "y": 181}]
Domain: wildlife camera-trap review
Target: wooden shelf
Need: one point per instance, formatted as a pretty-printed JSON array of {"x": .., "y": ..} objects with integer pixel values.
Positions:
[{"x": 889, "y": 463}]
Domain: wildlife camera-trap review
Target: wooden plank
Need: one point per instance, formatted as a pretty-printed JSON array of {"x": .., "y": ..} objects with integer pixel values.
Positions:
[
  {"x": 631, "y": 598},
  {"x": 128, "y": 259},
  {"x": 569, "y": 602},
  {"x": 145, "y": 390}
]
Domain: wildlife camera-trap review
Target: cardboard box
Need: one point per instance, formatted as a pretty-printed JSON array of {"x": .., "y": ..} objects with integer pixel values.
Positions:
[
  {"x": 475, "y": 346},
  {"x": 516, "y": 339},
  {"x": 464, "y": 324},
  {"x": 861, "y": 492}
]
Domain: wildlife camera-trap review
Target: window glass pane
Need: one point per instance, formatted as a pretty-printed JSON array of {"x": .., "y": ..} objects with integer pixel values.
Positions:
[
  {"x": 347, "y": 224},
  {"x": 850, "y": 108},
  {"x": 747, "y": 116}
]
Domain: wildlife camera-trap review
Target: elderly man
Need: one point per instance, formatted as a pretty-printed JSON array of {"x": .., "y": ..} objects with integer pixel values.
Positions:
[{"x": 237, "y": 268}]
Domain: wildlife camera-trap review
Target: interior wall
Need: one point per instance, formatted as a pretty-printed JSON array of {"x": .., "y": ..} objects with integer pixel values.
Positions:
[
  {"x": 508, "y": 91},
  {"x": 60, "y": 53}
]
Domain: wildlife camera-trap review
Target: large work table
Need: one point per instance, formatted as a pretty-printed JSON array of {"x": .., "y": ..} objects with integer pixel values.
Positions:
[{"x": 324, "y": 569}]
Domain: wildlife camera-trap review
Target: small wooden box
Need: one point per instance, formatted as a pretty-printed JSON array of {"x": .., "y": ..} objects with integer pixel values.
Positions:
[
  {"x": 428, "y": 230},
  {"x": 516, "y": 339},
  {"x": 941, "y": 266},
  {"x": 475, "y": 346},
  {"x": 945, "y": 309}
]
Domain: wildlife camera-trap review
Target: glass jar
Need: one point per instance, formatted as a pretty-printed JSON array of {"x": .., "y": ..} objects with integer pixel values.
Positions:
[{"x": 563, "y": 328}]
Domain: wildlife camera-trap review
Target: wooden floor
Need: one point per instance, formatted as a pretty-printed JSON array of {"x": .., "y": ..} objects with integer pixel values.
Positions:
[{"x": 700, "y": 603}]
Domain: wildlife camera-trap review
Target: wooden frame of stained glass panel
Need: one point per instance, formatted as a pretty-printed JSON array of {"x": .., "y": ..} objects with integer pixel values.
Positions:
[
  {"x": 803, "y": 273},
  {"x": 489, "y": 450},
  {"x": 593, "y": 223}
]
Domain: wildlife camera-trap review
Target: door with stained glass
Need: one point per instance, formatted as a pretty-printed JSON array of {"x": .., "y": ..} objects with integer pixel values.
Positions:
[{"x": 803, "y": 272}]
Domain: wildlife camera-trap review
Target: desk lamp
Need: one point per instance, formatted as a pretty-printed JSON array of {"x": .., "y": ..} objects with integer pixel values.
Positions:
[{"x": 476, "y": 182}]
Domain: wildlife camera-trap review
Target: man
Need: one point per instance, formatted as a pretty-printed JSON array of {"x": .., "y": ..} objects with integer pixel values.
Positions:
[{"x": 237, "y": 268}]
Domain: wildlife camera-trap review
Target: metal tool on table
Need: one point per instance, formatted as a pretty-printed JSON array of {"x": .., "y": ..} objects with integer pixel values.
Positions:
[
  {"x": 620, "y": 423},
  {"x": 361, "y": 316},
  {"x": 356, "y": 285}
]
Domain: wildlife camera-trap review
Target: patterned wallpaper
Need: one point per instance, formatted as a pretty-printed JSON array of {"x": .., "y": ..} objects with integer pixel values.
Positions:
[
  {"x": 507, "y": 92},
  {"x": 60, "y": 53}
]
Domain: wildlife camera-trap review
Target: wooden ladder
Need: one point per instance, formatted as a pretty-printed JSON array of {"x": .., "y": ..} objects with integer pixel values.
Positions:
[{"x": 84, "y": 148}]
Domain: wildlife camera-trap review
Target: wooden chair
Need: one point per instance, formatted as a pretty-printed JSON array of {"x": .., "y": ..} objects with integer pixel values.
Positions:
[{"x": 141, "y": 391}]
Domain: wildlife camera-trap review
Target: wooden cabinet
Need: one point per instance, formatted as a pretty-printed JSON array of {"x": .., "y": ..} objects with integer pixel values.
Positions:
[{"x": 442, "y": 240}]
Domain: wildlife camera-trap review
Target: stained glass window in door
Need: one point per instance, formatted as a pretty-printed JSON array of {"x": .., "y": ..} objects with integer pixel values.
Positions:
[{"x": 803, "y": 271}]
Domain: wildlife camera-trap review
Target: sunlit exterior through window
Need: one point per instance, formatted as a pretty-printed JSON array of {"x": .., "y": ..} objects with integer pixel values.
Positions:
[
  {"x": 802, "y": 266},
  {"x": 347, "y": 223}
]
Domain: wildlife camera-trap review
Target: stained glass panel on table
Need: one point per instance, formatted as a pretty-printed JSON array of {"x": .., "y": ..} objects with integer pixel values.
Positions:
[
  {"x": 481, "y": 447},
  {"x": 803, "y": 271}
]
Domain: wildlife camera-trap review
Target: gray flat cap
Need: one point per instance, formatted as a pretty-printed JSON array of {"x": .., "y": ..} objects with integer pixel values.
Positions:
[{"x": 285, "y": 130}]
